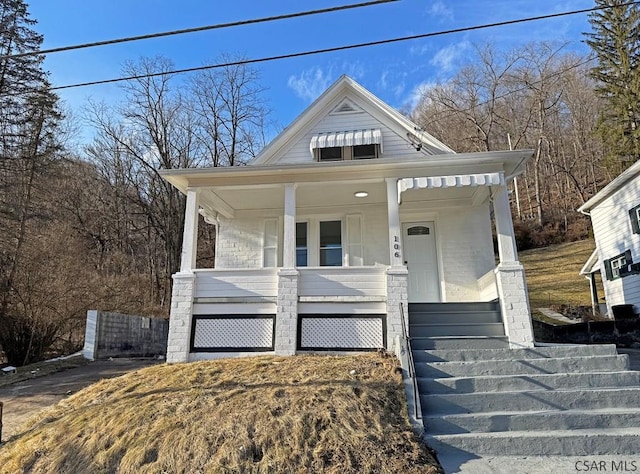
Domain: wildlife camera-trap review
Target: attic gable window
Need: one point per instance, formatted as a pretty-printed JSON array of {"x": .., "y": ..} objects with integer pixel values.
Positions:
[
  {"x": 348, "y": 145},
  {"x": 333, "y": 153},
  {"x": 365, "y": 152}
]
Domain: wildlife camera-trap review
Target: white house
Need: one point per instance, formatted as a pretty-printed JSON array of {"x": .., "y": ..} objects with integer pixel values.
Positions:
[
  {"x": 345, "y": 218},
  {"x": 615, "y": 217}
]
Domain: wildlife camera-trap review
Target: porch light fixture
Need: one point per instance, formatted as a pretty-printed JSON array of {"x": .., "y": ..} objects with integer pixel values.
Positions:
[{"x": 361, "y": 194}]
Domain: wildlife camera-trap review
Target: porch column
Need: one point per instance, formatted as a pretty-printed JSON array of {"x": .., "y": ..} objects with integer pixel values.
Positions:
[
  {"x": 190, "y": 232},
  {"x": 393, "y": 215},
  {"x": 504, "y": 227},
  {"x": 595, "y": 306},
  {"x": 289, "y": 247},
  {"x": 397, "y": 275},
  {"x": 287, "y": 304},
  {"x": 510, "y": 278},
  {"x": 182, "y": 293}
]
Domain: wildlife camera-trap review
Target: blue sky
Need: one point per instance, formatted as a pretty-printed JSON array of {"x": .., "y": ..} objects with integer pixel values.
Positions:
[{"x": 392, "y": 72}]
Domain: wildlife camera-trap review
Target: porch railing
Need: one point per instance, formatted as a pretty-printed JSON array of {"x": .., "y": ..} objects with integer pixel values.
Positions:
[
  {"x": 360, "y": 283},
  {"x": 220, "y": 285},
  {"x": 487, "y": 287},
  {"x": 411, "y": 369}
]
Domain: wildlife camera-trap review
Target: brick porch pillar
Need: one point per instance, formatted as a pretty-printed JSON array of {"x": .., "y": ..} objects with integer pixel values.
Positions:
[{"x": 510, "y": 278}]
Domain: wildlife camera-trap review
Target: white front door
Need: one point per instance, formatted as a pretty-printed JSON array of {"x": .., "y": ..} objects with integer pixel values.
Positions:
[{"x": 420, "y": 257}]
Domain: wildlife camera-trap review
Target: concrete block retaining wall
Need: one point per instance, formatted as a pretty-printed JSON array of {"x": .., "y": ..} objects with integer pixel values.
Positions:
[
  {"x": 124, "y": 335},
  {"x": 621, "y": 332}
]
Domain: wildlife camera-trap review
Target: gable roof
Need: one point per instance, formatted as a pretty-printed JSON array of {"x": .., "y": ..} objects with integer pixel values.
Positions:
[
  {"x": 619, "y": 182},
  {"x": 342, "y": 94}
]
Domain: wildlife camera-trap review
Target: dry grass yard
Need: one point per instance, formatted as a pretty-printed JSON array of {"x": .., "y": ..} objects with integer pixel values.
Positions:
[
  {"x": 301, "y": 414},
  {"x": 552, "y": 274}
]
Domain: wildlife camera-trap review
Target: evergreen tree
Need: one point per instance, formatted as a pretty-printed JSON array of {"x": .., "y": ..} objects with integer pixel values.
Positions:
[
  {"x": 615, "y": 40},
  {"x": 28, "y": 149}
]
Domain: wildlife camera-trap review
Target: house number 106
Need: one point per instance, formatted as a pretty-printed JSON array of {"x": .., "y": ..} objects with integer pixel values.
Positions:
[{"x": 396, "y": 246}]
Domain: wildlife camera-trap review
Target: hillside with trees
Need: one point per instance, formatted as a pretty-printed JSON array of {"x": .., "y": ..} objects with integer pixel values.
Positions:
[{"x": 95, "y": 226}]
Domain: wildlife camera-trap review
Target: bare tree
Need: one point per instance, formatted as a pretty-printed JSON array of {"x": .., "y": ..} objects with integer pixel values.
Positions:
[
  {"x": 540, "y": 98},
  {"x": 215, "y": 121},
  {"x": 231, "y": 113}
]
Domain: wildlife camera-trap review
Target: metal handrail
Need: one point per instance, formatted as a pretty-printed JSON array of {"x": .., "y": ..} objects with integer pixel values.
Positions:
[{"x": 412, "y": 368}]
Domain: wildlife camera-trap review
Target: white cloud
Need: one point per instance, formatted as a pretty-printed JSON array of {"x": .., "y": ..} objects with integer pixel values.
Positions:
[
  {"x": 382, "y": 82},
  {"x": 447, "y": 57},
  {"x": 441, "y": 11},
  {"x": 419, "y": 50},
  {"x": 310, "y": 84},
  {"x": 393, "y": 80}
]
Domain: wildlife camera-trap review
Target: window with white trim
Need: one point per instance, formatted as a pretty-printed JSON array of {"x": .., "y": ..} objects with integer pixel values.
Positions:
[
  {"x": 302, "y": 244},
  {"x": 333, "y": 153},
  {"x": 343, "y": 153},
  {"x": 365, "y": 152},
  {"x": 619, "y": 266},
  {"x": 330, "y": 243}
]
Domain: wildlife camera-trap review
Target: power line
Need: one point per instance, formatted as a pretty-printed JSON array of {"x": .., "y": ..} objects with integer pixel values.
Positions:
[
  {"x": 341, "y": 48},
  {"x": 197, "y": 29}
]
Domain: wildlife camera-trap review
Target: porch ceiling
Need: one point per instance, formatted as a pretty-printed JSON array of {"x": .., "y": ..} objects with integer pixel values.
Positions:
[
  {"x": 327, "y": 195},
  {"x": 308, "y": 195}
]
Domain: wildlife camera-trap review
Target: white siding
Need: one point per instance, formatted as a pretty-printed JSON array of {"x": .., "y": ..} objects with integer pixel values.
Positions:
[
  {"x": 236, "y": 284},
  {"x": 376, "y": 236},
  {"x": 613, "y": 235},
  {"x": 340, "y": 281},
  {"x": 465, "y": 247},
  {"x": 392, "y": 144}
]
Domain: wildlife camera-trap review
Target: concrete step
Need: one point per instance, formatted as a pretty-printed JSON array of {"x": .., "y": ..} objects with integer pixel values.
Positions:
[
  {"x": 454, "y": 355},
  {"x": 522, "y": 366},
  {"x": 533, "y": 400},
  {"x": 597, "y": 442},
  {"x": 463, "y": 329},
  {"x": 461, "y": 306},
  {"x": 510, "y": 383},
  {"x": 455, "y": 317},
  {"x": 459, "y": 342},
  {"x": 551, "y": 420}
]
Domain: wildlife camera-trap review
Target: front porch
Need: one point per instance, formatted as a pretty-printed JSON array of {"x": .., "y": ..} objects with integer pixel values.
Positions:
[{"x": 308, "y": 265}]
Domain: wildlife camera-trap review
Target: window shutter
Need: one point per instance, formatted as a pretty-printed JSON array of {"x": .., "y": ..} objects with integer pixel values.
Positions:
[
  {"x": 633, "y": 216},
  {"x": 607, "y": 269},
  {"x": 270, "y": 243},
  {"x": 627, "y": 257},
  {"x": 354, "y": 241}
]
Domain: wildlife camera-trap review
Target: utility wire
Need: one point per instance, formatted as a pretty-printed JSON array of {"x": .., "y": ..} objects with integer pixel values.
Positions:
[
  {"x": 341, "y": 48},
  {"x": 197, "y": 29}
]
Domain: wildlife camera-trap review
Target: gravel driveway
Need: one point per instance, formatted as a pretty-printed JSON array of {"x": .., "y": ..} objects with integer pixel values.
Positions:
[{"x": 24, "y": 399}]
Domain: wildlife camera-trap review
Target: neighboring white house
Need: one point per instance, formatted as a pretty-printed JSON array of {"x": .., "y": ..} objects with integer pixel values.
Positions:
[
  {"x": 615, "y": 217},
  {"x": 348, "y": 215}
]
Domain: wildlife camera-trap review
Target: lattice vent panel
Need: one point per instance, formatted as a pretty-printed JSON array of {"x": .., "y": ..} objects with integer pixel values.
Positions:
[
  {"x": 341, "y": 333},
  {"x": 233, "y": 333}
]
